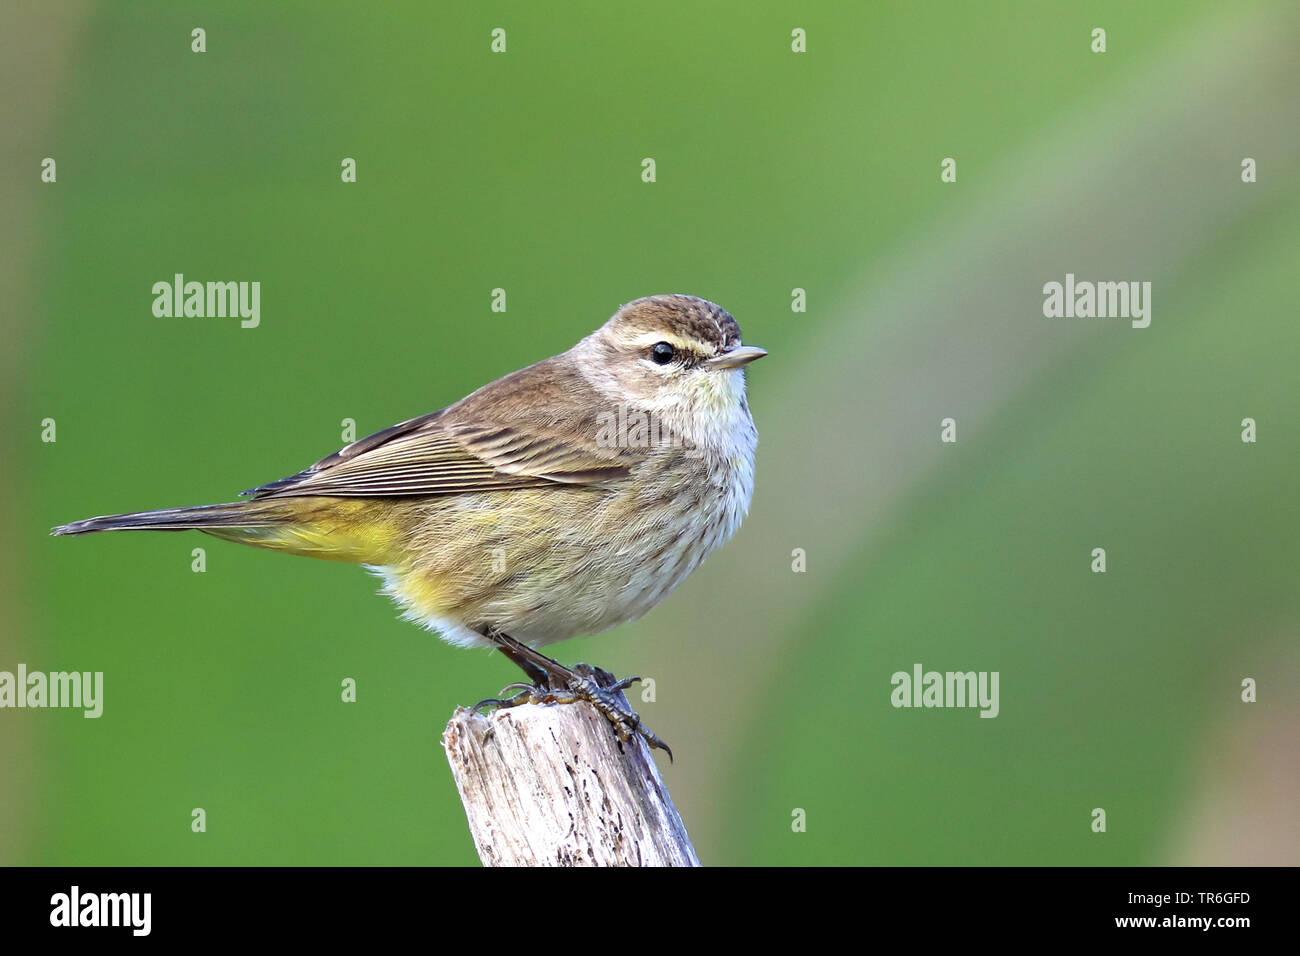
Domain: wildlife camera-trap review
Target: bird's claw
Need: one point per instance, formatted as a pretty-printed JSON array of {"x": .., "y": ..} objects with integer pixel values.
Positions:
[{"x": 579, "y": 687}]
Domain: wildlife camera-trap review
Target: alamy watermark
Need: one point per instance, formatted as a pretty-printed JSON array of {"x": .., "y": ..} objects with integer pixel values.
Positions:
[
  {"x": 625, "y": 426},
  {"x": 922, "y": 688},
  {"x": 76, "y": 908},
  {"x": 208, "y": 300},
  {"x": 83, "y": 690},
  {"x": 1100, "y": 300}
]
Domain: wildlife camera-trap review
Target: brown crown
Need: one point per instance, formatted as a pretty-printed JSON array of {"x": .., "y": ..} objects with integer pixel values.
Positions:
[{"x": 685, "y": 315}]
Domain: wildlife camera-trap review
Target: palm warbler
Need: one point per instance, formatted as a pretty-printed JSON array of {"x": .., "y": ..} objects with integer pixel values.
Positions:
[{"x": 563, "y": 499}]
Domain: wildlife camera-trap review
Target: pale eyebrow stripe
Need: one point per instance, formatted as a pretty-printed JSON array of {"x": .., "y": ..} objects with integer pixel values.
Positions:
[{"x": 651, "y": 338}]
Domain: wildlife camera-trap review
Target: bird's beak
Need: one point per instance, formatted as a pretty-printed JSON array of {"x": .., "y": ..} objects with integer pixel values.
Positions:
[{"x": 735, "y": 358}]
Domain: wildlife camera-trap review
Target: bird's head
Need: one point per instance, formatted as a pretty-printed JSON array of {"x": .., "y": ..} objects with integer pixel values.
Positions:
[{"x": 670, "y": 353}]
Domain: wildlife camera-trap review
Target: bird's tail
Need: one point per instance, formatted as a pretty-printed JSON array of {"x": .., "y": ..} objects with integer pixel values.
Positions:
[
  {"x": 236, "y": 514},
  {"x": 337, "y": 529}
]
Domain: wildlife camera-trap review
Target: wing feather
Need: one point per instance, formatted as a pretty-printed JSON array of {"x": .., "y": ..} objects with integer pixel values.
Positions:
[{"x": 534, "y": 439}]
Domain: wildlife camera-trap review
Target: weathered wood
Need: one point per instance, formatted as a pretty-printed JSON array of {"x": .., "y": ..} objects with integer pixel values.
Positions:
[{"x": 550, "y": 785}]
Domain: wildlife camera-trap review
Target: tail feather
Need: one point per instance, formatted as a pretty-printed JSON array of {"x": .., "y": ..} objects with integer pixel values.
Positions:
[
  {"x": 335, "y": 529},
  {"x": 245, "y": 514}
]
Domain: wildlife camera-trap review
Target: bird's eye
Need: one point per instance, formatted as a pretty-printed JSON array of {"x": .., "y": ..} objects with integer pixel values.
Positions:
[{"x": 662, "y": 353}]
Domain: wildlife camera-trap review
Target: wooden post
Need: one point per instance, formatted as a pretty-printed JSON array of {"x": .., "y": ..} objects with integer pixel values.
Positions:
[{"x": 550, "y": 785}]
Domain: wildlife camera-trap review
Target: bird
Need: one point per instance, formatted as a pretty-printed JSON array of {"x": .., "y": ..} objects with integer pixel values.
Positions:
[{"x": 562, "y": 499}]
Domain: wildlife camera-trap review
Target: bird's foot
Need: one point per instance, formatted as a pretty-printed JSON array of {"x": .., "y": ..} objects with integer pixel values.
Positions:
[{"x": 597, "y": 687}]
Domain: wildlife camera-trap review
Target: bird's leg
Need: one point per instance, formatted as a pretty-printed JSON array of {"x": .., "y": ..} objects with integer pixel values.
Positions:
[
  {"x": 553, "y": 683},
  {"x": 536, "y": 675}
]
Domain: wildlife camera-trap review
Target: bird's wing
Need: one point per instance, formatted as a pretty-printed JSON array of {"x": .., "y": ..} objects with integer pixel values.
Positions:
[{"x": 538, "y": 437}]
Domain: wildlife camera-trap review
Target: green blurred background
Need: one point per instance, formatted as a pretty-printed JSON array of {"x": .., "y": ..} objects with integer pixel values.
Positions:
[{"x": 775, "y": 170}]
